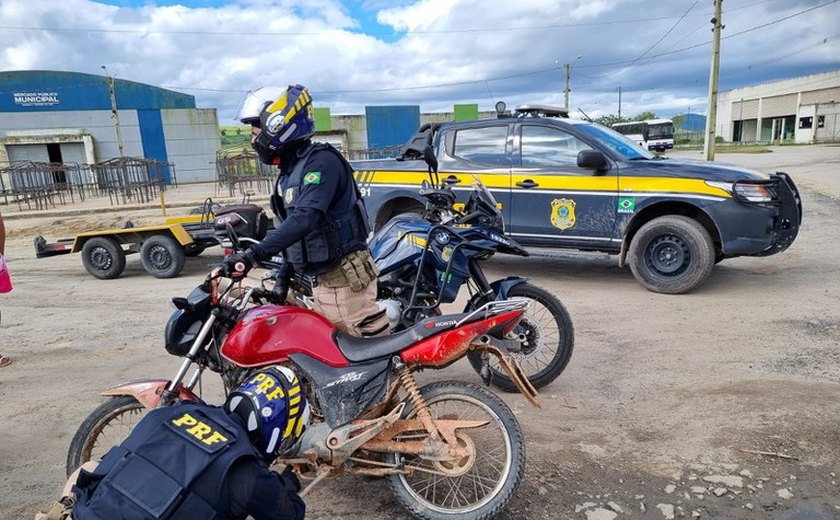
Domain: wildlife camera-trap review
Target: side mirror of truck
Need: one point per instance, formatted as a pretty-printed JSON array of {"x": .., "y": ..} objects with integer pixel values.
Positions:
[{"x": 592, "y": 160}]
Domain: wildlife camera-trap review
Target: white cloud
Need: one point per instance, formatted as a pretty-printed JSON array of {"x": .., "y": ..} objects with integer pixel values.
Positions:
[{"x": 449, "y": 41}]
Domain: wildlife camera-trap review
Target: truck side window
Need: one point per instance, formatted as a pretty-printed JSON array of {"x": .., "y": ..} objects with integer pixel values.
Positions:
[
  {"x": 484, "y": 145},
  {"x": 544, "y": 146}
]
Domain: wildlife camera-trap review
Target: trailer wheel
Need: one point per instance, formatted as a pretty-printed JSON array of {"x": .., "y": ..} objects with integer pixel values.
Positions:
[
  {"x": 162, "y": 256},
  {"x": 103, "y": 258}
]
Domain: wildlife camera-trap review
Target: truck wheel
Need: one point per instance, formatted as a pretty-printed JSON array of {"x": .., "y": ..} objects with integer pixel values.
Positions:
[
  {"x": 162, "y": 256},
  {"x": 671, "y": 254},
  {"x": 103, "y": 258}
]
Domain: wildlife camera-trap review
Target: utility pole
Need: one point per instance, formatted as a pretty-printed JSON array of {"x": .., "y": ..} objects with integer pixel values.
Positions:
[
  {"x": 619, "y": 103},
  {"x": 114, "y": 114},
  {"x": 566, "y": 91},
  {"x": 711, "y": 119}
]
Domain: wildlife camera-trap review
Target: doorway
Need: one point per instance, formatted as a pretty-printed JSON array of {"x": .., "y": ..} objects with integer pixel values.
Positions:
[
  {"x": 59, "y": 175},
  {"x": 778, "y": 131}
]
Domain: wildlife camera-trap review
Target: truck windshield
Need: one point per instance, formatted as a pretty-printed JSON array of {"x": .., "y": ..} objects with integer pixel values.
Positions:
[{"x": 626, "y": 148}]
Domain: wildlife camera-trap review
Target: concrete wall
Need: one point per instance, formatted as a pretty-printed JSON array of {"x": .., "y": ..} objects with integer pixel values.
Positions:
[
  {"x": 192, "y": 138},
  {"x": 775, "y": 99},
  {"x": 95, "y": 123}
]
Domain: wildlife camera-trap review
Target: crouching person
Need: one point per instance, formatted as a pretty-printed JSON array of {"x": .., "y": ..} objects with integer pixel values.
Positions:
[{"x": 195, "y": 461}]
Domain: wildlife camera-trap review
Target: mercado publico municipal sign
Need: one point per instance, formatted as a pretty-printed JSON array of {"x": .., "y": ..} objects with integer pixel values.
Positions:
[{"x": 35, "y": 99}]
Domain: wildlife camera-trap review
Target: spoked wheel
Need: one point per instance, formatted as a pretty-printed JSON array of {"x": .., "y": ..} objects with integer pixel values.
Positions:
[
  {"x": 108, "y": 425},
  {"x": 549, "y": 338},
  {"x": 480, "y": 483}
]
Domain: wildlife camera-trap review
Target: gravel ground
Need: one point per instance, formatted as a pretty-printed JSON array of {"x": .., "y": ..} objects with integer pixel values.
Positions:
[{"x": 655, "y": 417}]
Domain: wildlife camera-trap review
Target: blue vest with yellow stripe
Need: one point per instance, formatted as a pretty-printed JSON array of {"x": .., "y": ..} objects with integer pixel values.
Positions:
[{"x": 173, "y": 466}]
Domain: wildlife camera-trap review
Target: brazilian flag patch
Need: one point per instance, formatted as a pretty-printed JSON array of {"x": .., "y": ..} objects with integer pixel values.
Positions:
[{"x": 312, "y": 178}]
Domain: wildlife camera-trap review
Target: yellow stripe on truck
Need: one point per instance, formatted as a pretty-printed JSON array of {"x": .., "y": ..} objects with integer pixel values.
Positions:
[{"x": 553, "y": 182}]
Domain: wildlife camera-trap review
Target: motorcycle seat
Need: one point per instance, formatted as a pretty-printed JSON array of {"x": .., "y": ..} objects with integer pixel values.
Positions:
[{"x": 358, "y": 349}]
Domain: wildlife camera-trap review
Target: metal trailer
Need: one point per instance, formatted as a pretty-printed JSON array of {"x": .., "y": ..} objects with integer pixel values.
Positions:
[{"x": 162, "y": 248}]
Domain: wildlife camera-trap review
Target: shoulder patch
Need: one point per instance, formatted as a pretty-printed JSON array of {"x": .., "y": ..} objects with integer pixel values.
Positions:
[{"x": 312, "y": 178}]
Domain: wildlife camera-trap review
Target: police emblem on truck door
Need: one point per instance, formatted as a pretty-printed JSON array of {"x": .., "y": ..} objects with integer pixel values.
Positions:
[{"x": 563, "y": 213}]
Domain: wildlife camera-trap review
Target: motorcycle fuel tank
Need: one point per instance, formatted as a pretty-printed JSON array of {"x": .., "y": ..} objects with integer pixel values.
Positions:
[
  {"x": 401, "y": 241},
  {"x": 268, "y": 334}
]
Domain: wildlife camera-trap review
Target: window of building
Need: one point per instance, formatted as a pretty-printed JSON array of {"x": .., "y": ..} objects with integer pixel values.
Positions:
[
  {"x": 806, "y": 122},
  {"x": 820, "y": 121},
  {"x": 484, "y": 145}
]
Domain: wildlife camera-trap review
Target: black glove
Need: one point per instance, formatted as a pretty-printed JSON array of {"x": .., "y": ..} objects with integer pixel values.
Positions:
[
  {"x": 290, "y": 480},
  {"x": 238, "y": 265}
]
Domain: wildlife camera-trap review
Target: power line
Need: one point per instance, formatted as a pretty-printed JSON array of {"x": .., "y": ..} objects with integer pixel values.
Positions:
[
  {"x": 703, "y": 44},
  {"x": 657, "y": 42},
  {"x": 529, "y": 73},
  {"x": 554, "y": 69}
]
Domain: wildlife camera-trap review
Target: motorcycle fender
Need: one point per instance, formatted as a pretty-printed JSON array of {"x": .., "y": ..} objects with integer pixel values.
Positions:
[
  {"x": 148, "y": 391},
  {"x": 501, "y": 287}
]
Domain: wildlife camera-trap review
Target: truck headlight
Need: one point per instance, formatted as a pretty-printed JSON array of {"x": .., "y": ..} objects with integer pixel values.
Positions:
[{"x": 753, "y": 192}]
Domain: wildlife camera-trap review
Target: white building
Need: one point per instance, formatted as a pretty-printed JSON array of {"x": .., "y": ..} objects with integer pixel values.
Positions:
[{"x": 802, "y": 110}]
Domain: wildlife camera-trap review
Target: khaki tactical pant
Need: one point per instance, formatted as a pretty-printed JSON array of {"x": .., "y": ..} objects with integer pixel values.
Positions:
[
  {"x": 63, "y": 508},
  {"x": 347, "y": 297}
]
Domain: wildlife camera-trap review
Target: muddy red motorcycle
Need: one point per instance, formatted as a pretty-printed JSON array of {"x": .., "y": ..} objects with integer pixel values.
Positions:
[{"x": 448, "y": 450}]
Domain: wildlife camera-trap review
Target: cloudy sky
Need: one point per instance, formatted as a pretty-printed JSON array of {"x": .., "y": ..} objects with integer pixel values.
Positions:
[{"x": 428, "y": 52}]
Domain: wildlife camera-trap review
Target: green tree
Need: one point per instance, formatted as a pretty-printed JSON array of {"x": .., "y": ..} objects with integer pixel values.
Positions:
[
  {"x": 610, "y": 120},
  {"x": 644, "y": 115}
]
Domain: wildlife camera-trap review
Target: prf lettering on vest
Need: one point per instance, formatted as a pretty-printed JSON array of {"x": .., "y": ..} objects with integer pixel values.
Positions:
[
  {"x": 199, "y": 429},
  {"x": 265, "y": 384}
]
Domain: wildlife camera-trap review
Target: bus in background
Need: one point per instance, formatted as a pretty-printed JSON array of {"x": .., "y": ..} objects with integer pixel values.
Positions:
[{"x": 652, "y": 134}]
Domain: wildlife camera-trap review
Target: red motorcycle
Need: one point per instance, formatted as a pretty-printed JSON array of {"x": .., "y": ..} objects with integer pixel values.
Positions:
[{"x": 448, "y": 450}]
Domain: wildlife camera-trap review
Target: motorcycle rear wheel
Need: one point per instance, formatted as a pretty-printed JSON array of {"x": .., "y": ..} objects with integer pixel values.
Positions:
[
  {"x": 550, "y": 335},
  {"x": 478, "y": 486},
  {"x": 93, "y": 438}
]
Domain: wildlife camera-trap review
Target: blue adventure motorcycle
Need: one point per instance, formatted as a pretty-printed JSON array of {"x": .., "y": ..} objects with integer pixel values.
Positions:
[{"x": 424, "y": 260}]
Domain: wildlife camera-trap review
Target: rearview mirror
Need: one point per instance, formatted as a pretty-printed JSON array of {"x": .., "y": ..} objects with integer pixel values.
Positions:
[{"x": 592, "y": 160}]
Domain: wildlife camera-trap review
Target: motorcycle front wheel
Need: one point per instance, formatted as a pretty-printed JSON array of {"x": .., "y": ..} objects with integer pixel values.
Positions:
[
  {"x": 106, "y": 426},
  {"x": 475, "y": 487},
  {"x": 549, "y": 339}
]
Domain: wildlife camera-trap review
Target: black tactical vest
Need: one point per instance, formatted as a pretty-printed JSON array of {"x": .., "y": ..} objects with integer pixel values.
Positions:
[
  {"x": 345, "y": 228},
  {"x": 173, "y": 466}
]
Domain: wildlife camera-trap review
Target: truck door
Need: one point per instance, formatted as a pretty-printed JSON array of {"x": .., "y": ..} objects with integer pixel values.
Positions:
[
  {"x": 483, "y": 150},
  {"x": 553, "y": 201}
]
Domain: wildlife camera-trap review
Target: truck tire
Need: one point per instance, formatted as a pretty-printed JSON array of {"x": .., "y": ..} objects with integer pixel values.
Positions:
[
  {"x": 672, "y": 254},
  {"x": 103, "y": 258},
  {"x": 162, "y": 256}
]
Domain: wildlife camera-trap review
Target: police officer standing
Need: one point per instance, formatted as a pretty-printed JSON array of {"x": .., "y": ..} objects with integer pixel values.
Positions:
[
  {"x": 195, "y": 461},
  {"x": 323, "y": 224}
]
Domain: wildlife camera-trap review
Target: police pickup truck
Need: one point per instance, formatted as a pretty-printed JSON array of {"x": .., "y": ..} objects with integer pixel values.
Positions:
[{"x": 565, "y": 183}]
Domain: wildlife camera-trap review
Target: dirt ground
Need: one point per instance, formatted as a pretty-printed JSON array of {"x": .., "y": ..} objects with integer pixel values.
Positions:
[{"x": 650, "y": 420}]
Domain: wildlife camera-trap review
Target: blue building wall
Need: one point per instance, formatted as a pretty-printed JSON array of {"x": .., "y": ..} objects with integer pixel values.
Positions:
[
  {"x": 78, "y": 100},
  {"x": 391, "y": 125},
  {"x": 39, "y": 91},
  {"x": 154, "y": 143}
]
